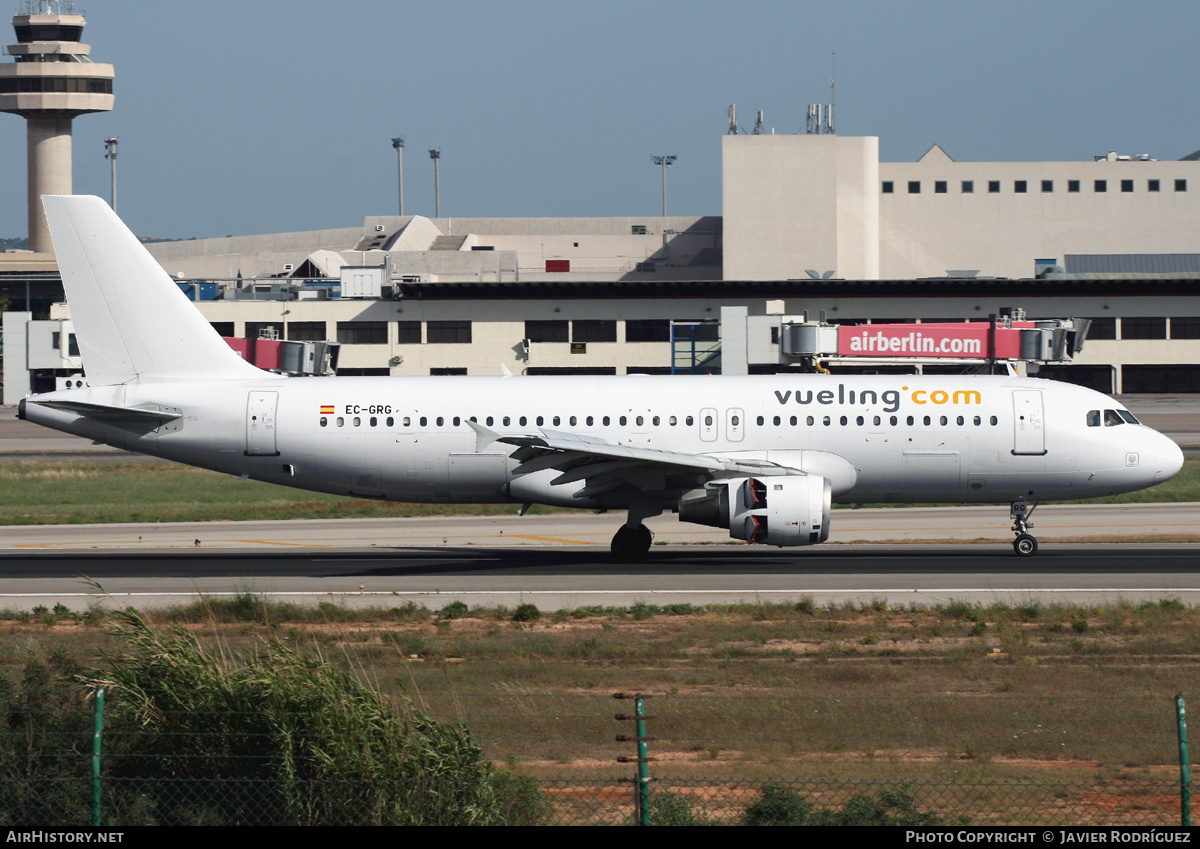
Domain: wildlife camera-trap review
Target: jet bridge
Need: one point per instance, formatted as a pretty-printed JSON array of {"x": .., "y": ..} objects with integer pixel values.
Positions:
[{"x": 794, "y": 341}]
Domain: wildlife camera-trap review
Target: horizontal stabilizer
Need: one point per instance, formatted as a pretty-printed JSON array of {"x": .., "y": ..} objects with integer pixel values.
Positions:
[{"x": 111, "y": 413}]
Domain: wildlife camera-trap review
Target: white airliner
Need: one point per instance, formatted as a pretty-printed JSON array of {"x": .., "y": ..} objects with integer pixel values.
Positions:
[{"x": 762, "y": 456}]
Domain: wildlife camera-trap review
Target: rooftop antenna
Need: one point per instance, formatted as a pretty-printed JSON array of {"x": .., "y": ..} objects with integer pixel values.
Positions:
[
  {"x": 819, "y": 119},
  {"x": 733, "y": 127},
  {"x": 830, "y": 127},
  {"x": 758, "y": 122}
]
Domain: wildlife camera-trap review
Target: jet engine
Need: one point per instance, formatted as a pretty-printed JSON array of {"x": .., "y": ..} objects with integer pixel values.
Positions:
[{"x": 778, "y": 510}]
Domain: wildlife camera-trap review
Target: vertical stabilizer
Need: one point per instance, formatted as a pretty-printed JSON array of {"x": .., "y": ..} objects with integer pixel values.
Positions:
[{"x": 132, "y": 321}]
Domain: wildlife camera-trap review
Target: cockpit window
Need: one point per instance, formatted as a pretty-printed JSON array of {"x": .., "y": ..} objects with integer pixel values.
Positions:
[
  {"x": 1112, "y": 418},
  {"x": 1128, "y": 416},
  {"x": 1093, "y": 418}
]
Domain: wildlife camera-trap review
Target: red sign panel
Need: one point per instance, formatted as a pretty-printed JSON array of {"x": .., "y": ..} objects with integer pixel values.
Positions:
[{"x": 957, "y": 341}]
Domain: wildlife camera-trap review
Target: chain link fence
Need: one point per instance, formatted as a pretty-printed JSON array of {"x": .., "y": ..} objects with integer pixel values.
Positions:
[{"x": 552, "y": 759}]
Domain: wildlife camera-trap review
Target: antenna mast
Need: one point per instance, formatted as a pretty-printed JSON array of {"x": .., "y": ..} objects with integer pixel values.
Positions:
[{"x": 831, "y": 128}]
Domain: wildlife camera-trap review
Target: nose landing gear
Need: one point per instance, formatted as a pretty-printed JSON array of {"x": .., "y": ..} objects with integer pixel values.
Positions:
[{"x": 1024, "y": 545}]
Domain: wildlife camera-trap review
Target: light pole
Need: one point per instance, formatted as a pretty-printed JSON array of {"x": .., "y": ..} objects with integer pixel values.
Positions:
[
  {"x": 398, "y": 143},
  {"x": 436, "y": 156},
  {"x": 665, "y": 162},
  {"x": 111, "y": 156}
]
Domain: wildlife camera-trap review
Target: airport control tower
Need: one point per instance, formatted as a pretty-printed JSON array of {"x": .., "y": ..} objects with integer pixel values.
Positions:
[{"x": 52, "y": 80}]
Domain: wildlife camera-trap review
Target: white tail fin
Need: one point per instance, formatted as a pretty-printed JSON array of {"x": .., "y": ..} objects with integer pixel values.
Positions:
[{"x": 132, "y": 322}]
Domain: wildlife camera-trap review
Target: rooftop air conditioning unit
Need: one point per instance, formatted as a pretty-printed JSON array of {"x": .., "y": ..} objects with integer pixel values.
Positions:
[
  {"x": 287, "y": 266},
  {"x": 379, "y": 228}
]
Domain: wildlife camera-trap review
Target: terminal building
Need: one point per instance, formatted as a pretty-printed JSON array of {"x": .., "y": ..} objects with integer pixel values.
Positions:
[{"x": 814, "y": 227}]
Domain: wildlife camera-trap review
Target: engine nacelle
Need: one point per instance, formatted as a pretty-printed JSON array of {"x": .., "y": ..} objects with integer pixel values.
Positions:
[{"x": 777, "y": 510}]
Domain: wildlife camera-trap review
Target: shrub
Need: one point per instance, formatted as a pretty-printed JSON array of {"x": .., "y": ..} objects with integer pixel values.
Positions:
[
  {"x": 526, "y": 612},
  {"x": 779, "y": 805},
  {"x": 453, "y": 610},
  {"x": 667, "y": 808},
  {"x": 283, "y": 737}
]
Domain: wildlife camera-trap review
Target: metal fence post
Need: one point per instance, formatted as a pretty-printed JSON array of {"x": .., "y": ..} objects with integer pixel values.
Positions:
[
  {"x": 642, "y": 782},
  {"x": 97, "y": 730},
  {"x": 1185, "y": 768}
]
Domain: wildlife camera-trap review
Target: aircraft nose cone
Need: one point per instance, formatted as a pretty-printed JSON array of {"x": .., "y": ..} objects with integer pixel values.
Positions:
[{"x": 1169, "y": 460}]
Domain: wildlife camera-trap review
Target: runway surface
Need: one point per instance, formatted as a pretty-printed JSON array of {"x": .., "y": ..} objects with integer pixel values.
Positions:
[{"x": 560, "y": 561}]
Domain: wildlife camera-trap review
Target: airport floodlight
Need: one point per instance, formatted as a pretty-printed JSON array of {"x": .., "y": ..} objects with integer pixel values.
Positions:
[
  {"x": 110, "y": 145},
  {"x": 398, "y": 144},
  {"x": 665, "y": 162},
  {"x": 436, "y": 156}
]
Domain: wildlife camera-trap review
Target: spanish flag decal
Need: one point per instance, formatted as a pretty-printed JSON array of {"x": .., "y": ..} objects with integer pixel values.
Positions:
[{"x": 327, "y": 409}]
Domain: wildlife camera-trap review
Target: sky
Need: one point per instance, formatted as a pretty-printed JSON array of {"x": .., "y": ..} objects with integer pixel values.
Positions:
[{"x": 244, "y": 118}]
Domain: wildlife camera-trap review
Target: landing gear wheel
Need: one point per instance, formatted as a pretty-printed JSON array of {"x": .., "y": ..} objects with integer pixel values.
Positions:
[
  {"x": 1025, "y": 546},
  {"x": 630, "y": 544}
]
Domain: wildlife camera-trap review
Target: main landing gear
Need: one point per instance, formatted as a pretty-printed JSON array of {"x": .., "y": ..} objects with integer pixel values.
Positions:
[
  {"x": 633, "y": 540},
  {"x": 631, "y": 543},
  {"x": 1024, "y": 545}
]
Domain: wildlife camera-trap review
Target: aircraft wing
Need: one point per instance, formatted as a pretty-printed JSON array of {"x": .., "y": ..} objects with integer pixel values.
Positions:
[{"x": 606, "y": 466}]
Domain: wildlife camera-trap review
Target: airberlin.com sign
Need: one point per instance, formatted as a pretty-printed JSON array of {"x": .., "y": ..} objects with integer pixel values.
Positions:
[{"x": 961, "y": 341}]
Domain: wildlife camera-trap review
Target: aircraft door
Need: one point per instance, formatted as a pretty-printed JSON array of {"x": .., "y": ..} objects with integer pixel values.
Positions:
[
  {"x": 1029, "y": 423},
  {"x": 735, "y": 424},
  {"x": 708, "y": 424},
  {"x": 260, "y": 424}
]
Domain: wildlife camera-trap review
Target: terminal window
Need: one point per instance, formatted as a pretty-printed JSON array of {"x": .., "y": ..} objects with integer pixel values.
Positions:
[
  {"x": 888, "y": 187},
  {"x": 548, "y": 331},
  {"x": 1152, "y": 185},
  {"x": 1143, "y": 327},
  {"x": 1047, "y": 185},
  {"x": 362, "y": 332},
  {"x": 306, "y": 331},
  {"x": 993, "y": 186},
  {"x": 1181, "y": 185},
  {"x": 1185, "y": 327},
  {"x": 1161, "y": 378},
  {"x": 1127, "y": 185},
  {"x": 452, "y": 332},
  {"x": 1072, "y": 185},
  {"x": 1101, "y": 186},
  {"x": 1103, "y": 328},
  {"x": 408, "y": 333},
  {"x": 1020, "y": 186},
  {"x": 939, "y": 187},
  {"x": 647, "y": 330},
  {"x": 592, "y": 330},
  {"x": 914, "y": 187},
  {"x": 968, "y": 187}
]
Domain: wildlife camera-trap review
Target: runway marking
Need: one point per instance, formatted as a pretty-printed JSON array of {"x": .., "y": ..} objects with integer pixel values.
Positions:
[
  {"x": 551, "y": 539},
  {"x": 276, "y": 542}
]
